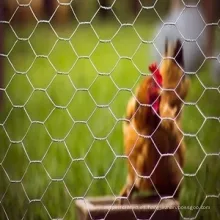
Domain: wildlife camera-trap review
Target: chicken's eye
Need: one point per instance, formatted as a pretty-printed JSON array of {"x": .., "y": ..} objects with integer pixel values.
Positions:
[{"x": 172, "y": 104}]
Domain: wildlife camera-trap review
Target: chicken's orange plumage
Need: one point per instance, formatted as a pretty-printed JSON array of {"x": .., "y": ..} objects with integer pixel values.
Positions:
[{"x": 149, "y": 138}]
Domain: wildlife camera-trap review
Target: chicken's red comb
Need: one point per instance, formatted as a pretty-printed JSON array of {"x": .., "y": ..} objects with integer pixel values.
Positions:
[{"x": 154, "y": 69}]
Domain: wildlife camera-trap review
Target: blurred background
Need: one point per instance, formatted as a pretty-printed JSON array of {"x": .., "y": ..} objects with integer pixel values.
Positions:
[{"x": 67, "y": 69}]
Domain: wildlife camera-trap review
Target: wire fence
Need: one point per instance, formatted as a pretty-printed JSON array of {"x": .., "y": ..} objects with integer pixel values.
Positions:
[{"x": 58, "y": 138}]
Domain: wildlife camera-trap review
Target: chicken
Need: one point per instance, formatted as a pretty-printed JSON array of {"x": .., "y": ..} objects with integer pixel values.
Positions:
[
  {"x": 141, "y": 119},
  {"x": 175, "y": 83},
  {"x": 152, "y": 140}
]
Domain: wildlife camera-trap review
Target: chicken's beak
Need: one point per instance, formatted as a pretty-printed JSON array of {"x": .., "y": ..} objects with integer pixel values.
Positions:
[{"x": 160, "y": 91}]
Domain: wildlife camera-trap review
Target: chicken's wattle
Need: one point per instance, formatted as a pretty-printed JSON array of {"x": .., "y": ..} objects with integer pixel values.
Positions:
[{"x": 155, "y": 101}]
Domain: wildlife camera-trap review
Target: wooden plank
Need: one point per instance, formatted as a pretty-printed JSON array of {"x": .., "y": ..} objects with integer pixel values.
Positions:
[{"x": 108, "y": 208}]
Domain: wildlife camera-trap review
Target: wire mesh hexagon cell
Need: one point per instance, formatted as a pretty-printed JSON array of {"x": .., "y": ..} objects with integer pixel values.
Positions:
[{"x": 70, "y": 68}]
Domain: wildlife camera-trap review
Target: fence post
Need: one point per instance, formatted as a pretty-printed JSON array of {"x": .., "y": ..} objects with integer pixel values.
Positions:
[
  {"x": 104, "y": 13},
  {"x": 49, "y": 8},
  {"x": 2, "y": 32}
]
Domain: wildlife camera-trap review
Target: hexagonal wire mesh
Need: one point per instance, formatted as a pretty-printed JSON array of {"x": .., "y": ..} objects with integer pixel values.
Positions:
[{"x": 65, "y": 94}]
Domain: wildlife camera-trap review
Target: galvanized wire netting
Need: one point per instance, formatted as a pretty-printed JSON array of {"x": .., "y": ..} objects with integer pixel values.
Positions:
[{"x": 81, "y": 92}]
